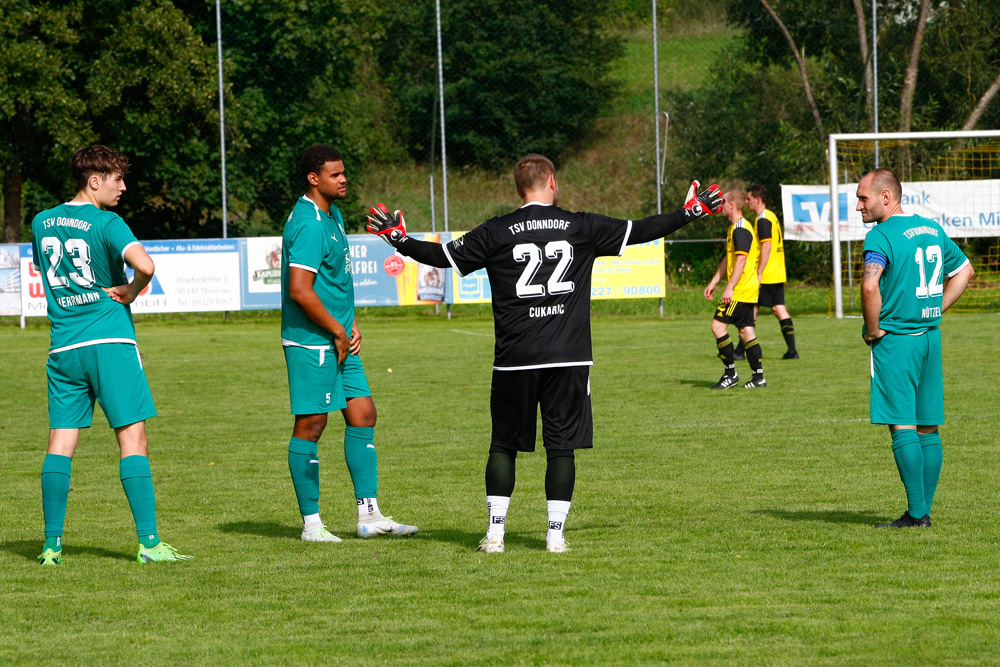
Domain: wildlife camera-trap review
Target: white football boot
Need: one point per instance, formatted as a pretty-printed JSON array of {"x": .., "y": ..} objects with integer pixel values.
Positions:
[
  {"x": 320, "y": 534},
  {"x": 557, "y": 546},
  {"x": 384, "y": 526},
  {"x": 491, "y": 545}
]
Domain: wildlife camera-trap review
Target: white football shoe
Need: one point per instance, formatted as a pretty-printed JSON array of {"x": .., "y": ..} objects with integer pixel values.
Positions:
[
  {"x": 556, "y": 546},
  {"x": 491, "y": 545},
  {"x": 320, "y": 534},
  {"x": 384, "y": 526}
]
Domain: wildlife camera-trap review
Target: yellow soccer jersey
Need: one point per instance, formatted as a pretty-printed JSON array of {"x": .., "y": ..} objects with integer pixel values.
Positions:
[
  {"x": 767, "y": 228},
  {"x": 742, "y": 240}
]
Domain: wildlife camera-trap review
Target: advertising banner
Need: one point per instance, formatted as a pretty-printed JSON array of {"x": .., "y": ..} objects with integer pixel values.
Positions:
[
  {"x": 260, "y": 279},
  {"x": 10, "y": 279},
  {"x": 237, "y": 274},
  {"x": 381, "y": 276},
  {"x": 473, "y": 288},
  {"x": 191, "y": 276},
  {"x": 962, "y": 208},
  {"x": 32, "y": 288},
  {"x": 637, "y": 274}
]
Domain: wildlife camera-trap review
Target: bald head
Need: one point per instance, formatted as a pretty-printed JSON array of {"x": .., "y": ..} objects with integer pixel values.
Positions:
[
  {"x": 879, "y": 195},
  {"x": 886, "y": 179}
]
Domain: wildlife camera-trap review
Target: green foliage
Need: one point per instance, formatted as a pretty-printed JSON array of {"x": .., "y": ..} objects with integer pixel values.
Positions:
[
  {"x": 520, "y": 76},
  {"x": 133, "y": 76}
]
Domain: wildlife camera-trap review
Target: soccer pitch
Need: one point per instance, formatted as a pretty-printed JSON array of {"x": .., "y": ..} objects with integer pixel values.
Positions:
[{"x": 707, "y": 527}]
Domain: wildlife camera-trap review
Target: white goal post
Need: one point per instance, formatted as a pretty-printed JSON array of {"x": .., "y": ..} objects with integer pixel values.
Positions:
[{"x": 834, "y": 201}]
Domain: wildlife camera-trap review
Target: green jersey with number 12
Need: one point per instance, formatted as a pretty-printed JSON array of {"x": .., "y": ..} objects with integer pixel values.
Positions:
[
  {"x": 80, "y": 248},
  {"x": 919, "y": 255}
]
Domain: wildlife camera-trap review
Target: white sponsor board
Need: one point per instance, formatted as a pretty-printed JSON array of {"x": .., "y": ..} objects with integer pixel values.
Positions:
[
  {"x": 191, "y": 276},
  {"x": 10, "y": 279},
  {"x": 962, "y": 208}
]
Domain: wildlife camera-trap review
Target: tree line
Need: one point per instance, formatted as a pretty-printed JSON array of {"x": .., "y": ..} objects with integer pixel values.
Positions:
[{"x": 142, "y": 77}]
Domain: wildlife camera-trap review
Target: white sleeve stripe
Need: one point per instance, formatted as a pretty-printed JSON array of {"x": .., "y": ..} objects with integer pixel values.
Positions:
[
  {"x": 293, "y": 265},
  {"x": 452, "y": 261},
  {"x": 628, "y": 233},
  {"x": 125, "y": 249},
  {"x": 956, "y": 271}
]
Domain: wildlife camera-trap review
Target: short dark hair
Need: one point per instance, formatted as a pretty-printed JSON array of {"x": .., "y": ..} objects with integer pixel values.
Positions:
[
  {"x": 314, "y": 157},
  {"x": 758, "y": 191},
  {"x": 97, "y": 159},
  {"x": 886, "y": 179},
  {"x": 532, "y": 171}
]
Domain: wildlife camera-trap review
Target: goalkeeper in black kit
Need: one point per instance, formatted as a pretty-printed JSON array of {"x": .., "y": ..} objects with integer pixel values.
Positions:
[{"x": 539, "y": 259}]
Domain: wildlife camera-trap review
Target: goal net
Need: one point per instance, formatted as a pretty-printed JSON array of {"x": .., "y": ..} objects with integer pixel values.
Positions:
[{"x": 951, "y": 177}]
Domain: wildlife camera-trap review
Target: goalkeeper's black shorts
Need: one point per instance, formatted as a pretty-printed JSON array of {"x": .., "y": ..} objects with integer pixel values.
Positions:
[{"x": 564, "y": 396}]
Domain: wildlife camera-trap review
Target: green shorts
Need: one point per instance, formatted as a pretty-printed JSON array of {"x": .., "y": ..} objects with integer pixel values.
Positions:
[
  {"x": 110, "y": 373},
  {"x": 907, "y": 382},
  {"x": 317, "y": 385}
]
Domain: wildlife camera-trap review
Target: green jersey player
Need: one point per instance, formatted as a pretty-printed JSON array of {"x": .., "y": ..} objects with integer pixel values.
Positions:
[
  {"x": 82, "y": 248},
  {"x": 913, "y": 273},
  {"x": 324, "y": 367}
]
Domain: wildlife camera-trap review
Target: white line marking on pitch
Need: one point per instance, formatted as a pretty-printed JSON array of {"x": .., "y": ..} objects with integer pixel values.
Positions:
[{"x": 471, "y": 333}]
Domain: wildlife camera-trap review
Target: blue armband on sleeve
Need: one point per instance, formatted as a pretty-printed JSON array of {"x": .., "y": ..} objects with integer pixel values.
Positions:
[{"x": 872, "y": 257}]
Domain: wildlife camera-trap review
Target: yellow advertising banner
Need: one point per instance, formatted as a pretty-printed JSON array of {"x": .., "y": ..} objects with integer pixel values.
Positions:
[{"x": 638, "y": 274}]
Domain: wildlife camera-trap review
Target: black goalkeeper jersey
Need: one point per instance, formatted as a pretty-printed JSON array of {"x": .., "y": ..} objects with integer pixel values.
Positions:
[{"x": 539, "y": 260}]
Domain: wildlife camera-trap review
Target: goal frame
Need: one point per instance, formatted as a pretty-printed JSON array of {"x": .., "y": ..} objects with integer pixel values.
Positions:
[{"x": 838, "y": 290}]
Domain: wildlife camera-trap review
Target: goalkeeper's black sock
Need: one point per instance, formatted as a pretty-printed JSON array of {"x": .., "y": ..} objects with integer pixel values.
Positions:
[
  {"x": 754, "y": 357},
  {"x": 560, "y": 474},
  {"x": 725, "y": 345},
  {"x": 788, "y": 331},
  {"x": 500, "y": 471}
]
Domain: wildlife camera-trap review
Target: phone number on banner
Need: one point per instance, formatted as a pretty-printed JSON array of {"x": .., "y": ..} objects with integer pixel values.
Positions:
[{"x": 625, "y": 291}]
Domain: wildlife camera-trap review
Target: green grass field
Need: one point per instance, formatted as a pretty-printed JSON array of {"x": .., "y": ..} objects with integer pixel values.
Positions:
[{"x": 707, "y": 527}]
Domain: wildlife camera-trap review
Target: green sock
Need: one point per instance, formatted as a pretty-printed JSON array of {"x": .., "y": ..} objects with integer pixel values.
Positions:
[
  {"x": 930, "y": 444},
  {"x": 137, "y": 480},
  {"x": 55, "y": 494},
  {"x": 910, "y": 462},
  {"x": 362, "y": 460},
  {"x": 303, "y": 464}
]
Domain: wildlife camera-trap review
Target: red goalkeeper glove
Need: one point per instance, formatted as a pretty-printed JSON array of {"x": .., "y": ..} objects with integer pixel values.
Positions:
[
  {"x": 390, "y": 226},
  {"x": 707, "y": 202}
]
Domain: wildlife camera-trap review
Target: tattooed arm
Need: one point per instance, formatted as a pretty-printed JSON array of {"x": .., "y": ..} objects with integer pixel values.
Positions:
[{"x": 871, "y": 302}]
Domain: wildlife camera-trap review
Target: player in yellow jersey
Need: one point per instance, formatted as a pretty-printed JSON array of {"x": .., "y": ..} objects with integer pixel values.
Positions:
[
  {"x": 739, "y": 299},
  {"x": 771, "y": 268}
]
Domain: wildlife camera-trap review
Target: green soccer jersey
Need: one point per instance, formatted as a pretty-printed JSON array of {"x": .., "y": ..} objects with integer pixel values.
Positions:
[
  {"x": 918, "y": 256},
  {"x": 316, "y": 241},
  {"x": 79, "y": 248}
]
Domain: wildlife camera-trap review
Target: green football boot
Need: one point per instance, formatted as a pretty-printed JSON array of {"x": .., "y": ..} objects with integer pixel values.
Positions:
[
  {"x": 160, "y": 553},
  {"x": 50, "y": 557}
]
